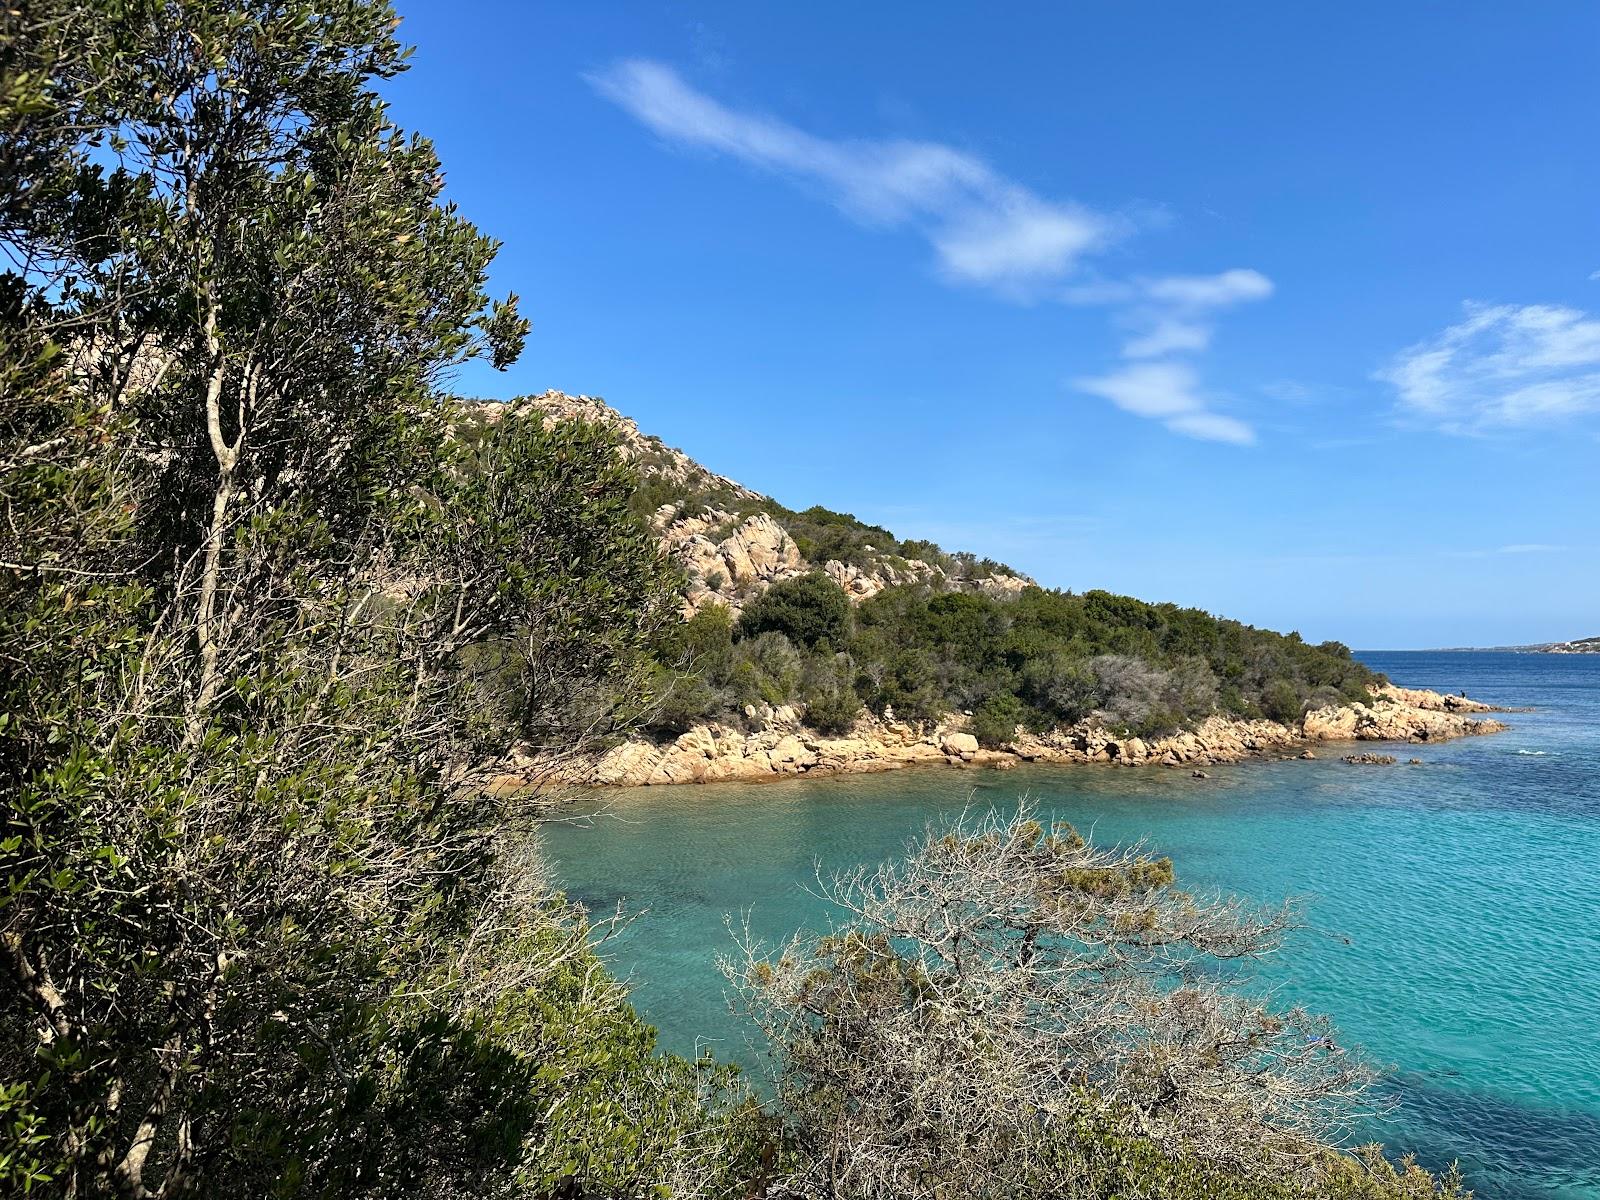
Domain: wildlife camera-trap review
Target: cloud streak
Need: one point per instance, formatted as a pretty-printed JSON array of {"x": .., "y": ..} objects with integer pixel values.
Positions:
[
  {"x": 1502, "y": 367},
  {"x": 1518, "y": 548},
  {"x": 1168, "y": 392},
  {"x": 1178, "y": 313},
  {"x": 1169, "y": 316},
  {"x": 984, "y": 229}
]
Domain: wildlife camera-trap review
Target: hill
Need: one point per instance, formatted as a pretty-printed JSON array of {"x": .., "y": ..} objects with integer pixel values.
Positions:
[
  {"x": 733, "y": 543},
  {"x": 813, "y": 641}
]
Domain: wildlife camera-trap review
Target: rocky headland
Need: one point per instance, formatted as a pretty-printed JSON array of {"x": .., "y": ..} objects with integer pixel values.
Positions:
[
  {"x": 775, "y": 743},
  {"x": 733, "y": 544}
]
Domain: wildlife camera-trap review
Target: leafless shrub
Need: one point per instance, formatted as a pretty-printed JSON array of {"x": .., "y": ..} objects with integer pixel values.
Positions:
[{"x": 1003, "y": 981}]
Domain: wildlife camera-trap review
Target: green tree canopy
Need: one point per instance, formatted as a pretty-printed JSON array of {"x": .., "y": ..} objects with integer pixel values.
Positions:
[
  {"x": 806, "y": 610},
  {"x": 270, "y": 606}
]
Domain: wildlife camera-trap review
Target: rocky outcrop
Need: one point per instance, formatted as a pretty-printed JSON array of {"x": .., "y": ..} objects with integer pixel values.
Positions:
[
  {"x": 774, "y": 743},
  {"x": 1435, "y": 701},
  {"x": 729, "y": 556},
  {"x": 729, "y": 560},
  {"x": 1400, "y": 715},
  {"x": 862, "y": 584},
  {"x": 649, "y": 453}
]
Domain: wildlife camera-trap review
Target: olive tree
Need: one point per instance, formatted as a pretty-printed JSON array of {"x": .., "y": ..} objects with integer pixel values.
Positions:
[{"x": 266, "y": 615}]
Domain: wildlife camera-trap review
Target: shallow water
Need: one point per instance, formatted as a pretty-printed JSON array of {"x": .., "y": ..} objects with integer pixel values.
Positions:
[{"x": 1454, "y": 906}]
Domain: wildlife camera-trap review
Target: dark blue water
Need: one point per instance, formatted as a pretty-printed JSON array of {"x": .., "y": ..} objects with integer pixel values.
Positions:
[{"x": 1468, "y": 889}]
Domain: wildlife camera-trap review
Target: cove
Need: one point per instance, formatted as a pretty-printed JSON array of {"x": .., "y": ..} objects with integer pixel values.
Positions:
[{"x": 1453, "y": 908}]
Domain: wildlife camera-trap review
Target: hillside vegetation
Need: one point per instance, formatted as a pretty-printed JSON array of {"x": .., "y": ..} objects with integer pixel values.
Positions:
[
  {"x": 272, "y": 604},
  {"x": 1038, "y": 659},
  {"x": 817, "y": 609}
]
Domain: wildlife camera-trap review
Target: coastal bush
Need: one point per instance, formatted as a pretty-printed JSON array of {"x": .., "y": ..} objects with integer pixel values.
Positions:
[
  {"x": 268, "y": 613},
  {"x": 777, "y": 665},
  {"x": 921, "y": 654},
  {"x": 828, "y": 694},
  {"x": 1281, "y": 702},
  {"x": 832, "y": 712},
  {"x": 1056, "y": 683},
  {"x": 995, "y": 723},
  {"x": 1146, "y": 667},
  {"x": 1012, "y": 1012},
  {"x": 806, "y": 610},
  {"x": 680, "y": 700},
  {"x": 703, "y": 643},
  {"x": 822, "y": 534}
]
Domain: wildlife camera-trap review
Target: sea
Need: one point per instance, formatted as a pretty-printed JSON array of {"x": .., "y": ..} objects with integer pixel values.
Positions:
[{"x": 1451, "y": 909}]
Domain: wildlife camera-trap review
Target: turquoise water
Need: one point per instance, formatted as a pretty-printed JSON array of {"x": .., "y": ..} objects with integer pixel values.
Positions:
[{"x": 1468, "y": 889}]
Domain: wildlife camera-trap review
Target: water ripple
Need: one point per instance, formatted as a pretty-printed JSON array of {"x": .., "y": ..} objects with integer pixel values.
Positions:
[{"x": 1462, "y": 898}]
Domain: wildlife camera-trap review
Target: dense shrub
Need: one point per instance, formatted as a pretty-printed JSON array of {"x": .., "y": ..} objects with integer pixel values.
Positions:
[
  {"x": 995, "y": 723},
  {"x": 832, "y": 712},
  {"x": 1042, "y": 659},
  {"x": 1281, "y": 701},
  {"x": 805, "y": 610},
  {"x": 1146, "y": 667}
]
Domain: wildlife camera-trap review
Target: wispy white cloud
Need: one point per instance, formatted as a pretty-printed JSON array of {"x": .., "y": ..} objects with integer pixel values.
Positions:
[
  {"x": 1177, "y": 313},
  {"x": 1168, "y": 316},
  {"x": 1503, "y": 366},
  {"x": 1168, "y": 392},
  {"x": 1168, "y": 335},
  {"x": 1518, "y": 548},
  {"x": 1209, "y": 291},
  {"x": 984, "y": 229}
]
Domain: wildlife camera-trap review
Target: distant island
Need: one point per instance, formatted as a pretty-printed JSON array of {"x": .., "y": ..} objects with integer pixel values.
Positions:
[{"x": 1588, "y": 645}]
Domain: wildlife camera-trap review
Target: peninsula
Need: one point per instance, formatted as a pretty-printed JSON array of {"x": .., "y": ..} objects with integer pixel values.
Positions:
[{"x": 811, "y": 643}]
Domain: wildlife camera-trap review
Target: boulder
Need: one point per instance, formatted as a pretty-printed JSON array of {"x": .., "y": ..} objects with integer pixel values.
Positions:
[
  {"x": 959, "y": 743},
  {"x": 628, "y": 765},
  {"x": 697, "y": 742},
  {"x": 1336, "y": 723},
  {"x": 792, "y": 754}
]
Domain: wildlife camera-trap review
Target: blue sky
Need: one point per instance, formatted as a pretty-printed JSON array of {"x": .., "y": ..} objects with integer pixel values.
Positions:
[{"x": 1290, "y": 312}]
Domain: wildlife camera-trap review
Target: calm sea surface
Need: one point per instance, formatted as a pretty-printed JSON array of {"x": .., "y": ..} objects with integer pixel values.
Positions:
[{"x": 1454, "y": 906}]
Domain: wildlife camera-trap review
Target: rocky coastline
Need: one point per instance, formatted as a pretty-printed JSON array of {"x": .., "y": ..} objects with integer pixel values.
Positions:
[{"x": 775, "y": 744}]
